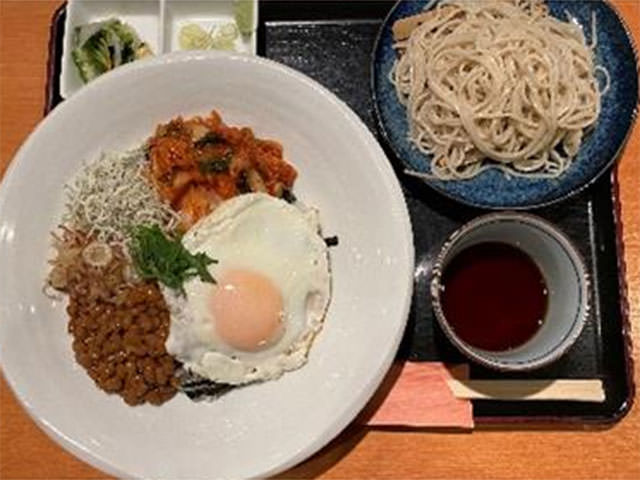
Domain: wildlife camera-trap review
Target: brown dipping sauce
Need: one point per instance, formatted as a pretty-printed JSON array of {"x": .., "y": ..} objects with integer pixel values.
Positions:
[{"x": 494, "y": 296}]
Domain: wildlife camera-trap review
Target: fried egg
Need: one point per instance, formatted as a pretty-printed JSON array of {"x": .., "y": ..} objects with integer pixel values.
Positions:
[{"x": 270, "y": 297}]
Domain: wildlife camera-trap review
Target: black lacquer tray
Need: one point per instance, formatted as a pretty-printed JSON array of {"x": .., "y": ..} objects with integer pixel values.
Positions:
[{"x": 332, "y": 41}]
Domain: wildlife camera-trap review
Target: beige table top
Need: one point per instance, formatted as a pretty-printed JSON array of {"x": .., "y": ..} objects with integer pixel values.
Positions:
[{"x": 543, "y": 452}]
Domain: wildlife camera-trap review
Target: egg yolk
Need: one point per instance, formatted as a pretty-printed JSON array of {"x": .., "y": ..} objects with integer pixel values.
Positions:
[{"x": 247, "y": 309}]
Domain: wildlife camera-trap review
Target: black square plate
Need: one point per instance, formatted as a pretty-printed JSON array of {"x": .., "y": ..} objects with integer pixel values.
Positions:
[{"x": 331, "y": 41}]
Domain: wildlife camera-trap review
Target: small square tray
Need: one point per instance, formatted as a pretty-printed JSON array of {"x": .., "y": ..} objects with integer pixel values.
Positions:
[
  {"x": 331, "y": 41},
  {"x": 157, "y": 23}
]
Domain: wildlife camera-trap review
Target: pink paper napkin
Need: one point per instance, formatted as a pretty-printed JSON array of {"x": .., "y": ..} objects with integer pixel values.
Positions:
[{"x": 416, "y": 394}]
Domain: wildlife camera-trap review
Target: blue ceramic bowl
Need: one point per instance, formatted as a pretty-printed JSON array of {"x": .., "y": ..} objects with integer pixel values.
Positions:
[{"x": 491, "y": 189}]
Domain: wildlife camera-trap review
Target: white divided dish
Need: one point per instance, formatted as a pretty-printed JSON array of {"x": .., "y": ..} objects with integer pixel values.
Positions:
[
  {"x": 251, "y": 432},
  {"x": 157, "y": 23},
  {"x": 143, "y": 16}
]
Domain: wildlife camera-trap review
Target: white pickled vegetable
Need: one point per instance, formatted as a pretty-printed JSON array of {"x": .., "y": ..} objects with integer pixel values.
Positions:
[
  {"x": 222, "y": 37},
  {"x": 194, "y": 37},
  {"x": 225, "y": 35}
]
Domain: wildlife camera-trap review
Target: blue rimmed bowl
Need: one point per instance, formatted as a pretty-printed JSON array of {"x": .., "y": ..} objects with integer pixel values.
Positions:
[{"x": 492, "y": 189}]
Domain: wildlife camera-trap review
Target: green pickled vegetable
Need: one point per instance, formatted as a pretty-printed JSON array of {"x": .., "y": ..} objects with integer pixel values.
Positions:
[
  {"x": 243, "y": 13},
  {"x": 102, "y": 46}
]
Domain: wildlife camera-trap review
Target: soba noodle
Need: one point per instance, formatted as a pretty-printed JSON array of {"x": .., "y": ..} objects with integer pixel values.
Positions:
[{"x": 497, "y": 84}]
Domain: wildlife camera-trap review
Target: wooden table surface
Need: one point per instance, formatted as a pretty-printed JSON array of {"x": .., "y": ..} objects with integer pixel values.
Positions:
[{"x": 576, "y": 453}]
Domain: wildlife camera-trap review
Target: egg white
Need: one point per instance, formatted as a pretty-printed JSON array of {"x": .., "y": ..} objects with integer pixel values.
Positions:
[{"x": 283, "y": 242}]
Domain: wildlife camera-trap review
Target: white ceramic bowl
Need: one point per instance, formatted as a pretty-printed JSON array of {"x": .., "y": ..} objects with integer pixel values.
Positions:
[
  {"x": 254, "y": 431},
  {"x": 562, "y": 268}
]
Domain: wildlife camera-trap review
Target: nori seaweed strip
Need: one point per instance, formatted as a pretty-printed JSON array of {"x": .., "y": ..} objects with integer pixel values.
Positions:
[
  {"x": 331, "y": 241},
  {"x": 288, "y": 196},
  {"x": 205, "y": 390},
  {"x": 198, "y": 388}
]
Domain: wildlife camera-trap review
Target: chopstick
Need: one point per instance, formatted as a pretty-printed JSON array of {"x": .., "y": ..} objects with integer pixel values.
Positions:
[{"x": 559, "y": 389}]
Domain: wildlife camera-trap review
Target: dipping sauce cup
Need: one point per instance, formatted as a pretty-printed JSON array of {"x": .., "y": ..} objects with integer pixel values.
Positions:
[{"x": 518, "y": 293}]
